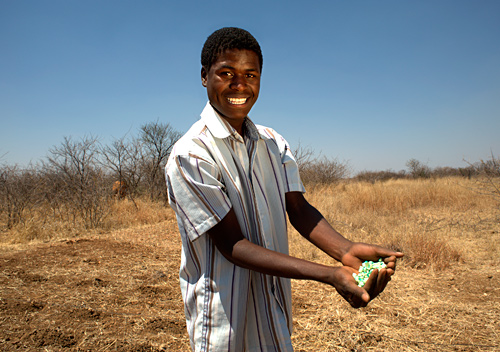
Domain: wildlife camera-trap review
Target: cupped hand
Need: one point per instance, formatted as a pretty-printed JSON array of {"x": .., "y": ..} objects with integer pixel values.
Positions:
[
  {"x": 346, "y": 286},
  {"x": 360, "y": 252},
  {"x": 379, "y": 278}
]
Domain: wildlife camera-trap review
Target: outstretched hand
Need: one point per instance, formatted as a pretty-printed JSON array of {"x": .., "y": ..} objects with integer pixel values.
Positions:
[{"x": 379, "y": 278}]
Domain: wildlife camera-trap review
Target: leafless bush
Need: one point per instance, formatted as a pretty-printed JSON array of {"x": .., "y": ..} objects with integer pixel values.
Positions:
[
  {"x": 123, "y": 157},
  {"x": 324, "y": 171},
  {"x": 315, "y": 170},
  {"x": 72, "y": 189},
  {"x": 157, "y": 141},
  {"x": 468, "y": 171},
  {"x": 488, "y": 179},
  {"x": 445, "y": 171},
  {"x": 19, "y": 193},
  {"x": 379, "y": 176},
  {"x": 83, "y": 185},
  {"x": 417, "y": 169},
  {"x": 304, "y": 156},
  {"x": 54, "y": 192}
]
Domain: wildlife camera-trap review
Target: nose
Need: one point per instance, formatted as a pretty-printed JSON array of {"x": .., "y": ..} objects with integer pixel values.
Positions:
[{"x": 238, "y": 82}]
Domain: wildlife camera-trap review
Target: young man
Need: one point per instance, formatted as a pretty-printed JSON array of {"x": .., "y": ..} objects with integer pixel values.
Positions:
[{"x": 231, "y": 184}]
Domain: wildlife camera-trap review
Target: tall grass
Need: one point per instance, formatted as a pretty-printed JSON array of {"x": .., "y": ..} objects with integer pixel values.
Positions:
[{"x": 421, "y": 217}]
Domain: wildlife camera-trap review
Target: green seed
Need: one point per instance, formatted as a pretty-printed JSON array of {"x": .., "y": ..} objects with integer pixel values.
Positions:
[{"x": 366, "y": 269}]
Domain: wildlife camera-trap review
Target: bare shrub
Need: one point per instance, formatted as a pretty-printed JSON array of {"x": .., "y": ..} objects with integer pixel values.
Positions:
[
  {"x": 19, "y": 193},
  {"x": 417, "y": 169},
  {"x": 325, "y": 171},
  {"x": 82, "y": 185},
  {"x": 379, "y": 176},
  {"x": 468, "y": 171},
  {"x": 124, "y": 159},
  {"x": 304, "y": 156},
  {"x": 316, "y": 170},
  {"x": 157, "y": 141},
  {"x": 446, "y": 171},
  {"x": 488, "y": 179}
]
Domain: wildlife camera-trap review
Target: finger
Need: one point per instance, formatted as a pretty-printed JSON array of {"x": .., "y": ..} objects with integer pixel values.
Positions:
[
  {"x": 359, "y": 299},
  {"x": 359, "y": 296},
  {"x": 354, "y": 295},
  {"x": 390, "y": 263},
  {"x": 377, "y": 282},
  {"x": 382, "y": 280},
  {"x": 394, "y": 253},
  {"x": 390, "y": 260},
  {"x": 371, "y": 283}
]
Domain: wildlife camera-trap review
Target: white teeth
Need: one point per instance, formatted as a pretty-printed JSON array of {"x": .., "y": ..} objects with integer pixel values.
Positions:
[{"x": 237, "y": 101}]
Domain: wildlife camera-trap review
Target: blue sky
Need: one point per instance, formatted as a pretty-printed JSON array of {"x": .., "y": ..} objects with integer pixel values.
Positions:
[{"x": 373, "y": 83}]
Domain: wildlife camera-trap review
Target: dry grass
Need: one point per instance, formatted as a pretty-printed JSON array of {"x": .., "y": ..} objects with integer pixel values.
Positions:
[
  {"x": 418, "y": 217},
  {"x": 445, "y": 295},
  {"x": 44, "y": 224},
  {"x": 117, "y": 289}
]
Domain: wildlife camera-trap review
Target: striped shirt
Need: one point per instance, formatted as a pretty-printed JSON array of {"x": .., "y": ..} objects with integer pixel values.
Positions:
[{"x": 212, "y": 169}]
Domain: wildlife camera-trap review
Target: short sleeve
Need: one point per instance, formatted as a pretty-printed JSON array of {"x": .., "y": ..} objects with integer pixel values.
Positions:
[
  {"x": 196, "y": 192},
  {"x": 290, "y": 168}
]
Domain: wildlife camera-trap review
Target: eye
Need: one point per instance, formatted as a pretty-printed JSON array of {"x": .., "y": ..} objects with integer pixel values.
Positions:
[{"x": 226, "y": 74}]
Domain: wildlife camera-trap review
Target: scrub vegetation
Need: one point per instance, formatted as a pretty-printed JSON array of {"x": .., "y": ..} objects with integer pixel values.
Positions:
[{"x": 86, "y": 269}]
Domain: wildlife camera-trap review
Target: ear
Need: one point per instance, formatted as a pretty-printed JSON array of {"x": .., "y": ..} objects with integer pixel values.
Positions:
[{"x": 204, "y": 75}]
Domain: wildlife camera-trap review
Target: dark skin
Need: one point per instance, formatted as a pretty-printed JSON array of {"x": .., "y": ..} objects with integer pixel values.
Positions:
[{"x": 233, "y": 84}]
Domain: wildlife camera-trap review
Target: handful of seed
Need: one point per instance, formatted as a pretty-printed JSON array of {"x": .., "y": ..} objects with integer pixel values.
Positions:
[{"x": 366, "y": 269}]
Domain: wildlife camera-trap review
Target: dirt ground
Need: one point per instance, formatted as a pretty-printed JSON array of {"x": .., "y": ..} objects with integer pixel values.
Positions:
[{"x": 120, "y": 292}]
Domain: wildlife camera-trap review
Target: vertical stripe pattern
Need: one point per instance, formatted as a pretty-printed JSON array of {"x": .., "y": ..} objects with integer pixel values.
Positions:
[{"x": 211, "y": 170}]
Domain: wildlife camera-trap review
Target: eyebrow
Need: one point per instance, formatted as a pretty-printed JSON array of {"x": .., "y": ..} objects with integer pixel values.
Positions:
[{"x": 233, "y": 68}]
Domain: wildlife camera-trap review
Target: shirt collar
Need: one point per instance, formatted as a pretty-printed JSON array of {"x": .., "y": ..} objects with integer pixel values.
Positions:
[{"x": 220, "y": 128}]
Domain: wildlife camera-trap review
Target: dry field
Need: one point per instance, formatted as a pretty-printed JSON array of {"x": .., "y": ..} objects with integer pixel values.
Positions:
[{"x": 118, "y": 290}]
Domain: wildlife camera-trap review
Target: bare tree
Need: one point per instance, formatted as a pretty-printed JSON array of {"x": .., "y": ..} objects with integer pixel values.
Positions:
[
  {"x": 19, "y": 193},
  {"x": 325, "y": 171},
  {"x": 304, "y": 156},
  {"x": 84, "y": 184},
  {"x": 319, "y": 170},
  {"x": 123, "y": 157},
  {"x": 157, "y": 141},
  {"x": 115, "y": 157},
  {"x": 417, "y": 169}
]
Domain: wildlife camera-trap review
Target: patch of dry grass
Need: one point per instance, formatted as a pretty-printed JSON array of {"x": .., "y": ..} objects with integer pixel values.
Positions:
[
  {"x": 125, "y": 213},
  {"x": 124, "y": 277},
  {"x": 444, "y": 295},
  {"x": 45, "y": 224},
  {"x": 423, "y": 218}
]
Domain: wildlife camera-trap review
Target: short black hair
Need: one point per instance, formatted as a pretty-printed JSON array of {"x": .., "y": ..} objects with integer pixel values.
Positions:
[{"x": 228, "y": 38}]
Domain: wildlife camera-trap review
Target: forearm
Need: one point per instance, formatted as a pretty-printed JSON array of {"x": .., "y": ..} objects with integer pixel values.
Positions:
[
  {"x": 229, "y": 240},
  {"x": 309, "y": 222},
  {"x": 257, "y": 258},
  {"x": 326, "y": 238},
  {"x": 254, "y": 257}
]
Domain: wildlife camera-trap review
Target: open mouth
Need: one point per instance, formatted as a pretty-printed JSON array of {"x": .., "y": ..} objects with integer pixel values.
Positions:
[{"x": 237, "y": 101}]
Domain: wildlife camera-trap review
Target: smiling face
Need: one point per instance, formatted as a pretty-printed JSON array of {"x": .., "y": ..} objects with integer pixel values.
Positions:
[{"x": 233, "y": 84}]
